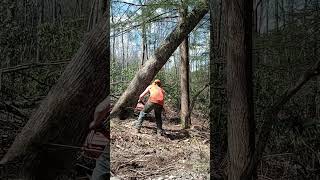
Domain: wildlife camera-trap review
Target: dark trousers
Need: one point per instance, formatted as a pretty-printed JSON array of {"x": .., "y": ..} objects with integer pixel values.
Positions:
[
  {"x": 148, "y": 108},
  {"x": 102, "y": 169}
]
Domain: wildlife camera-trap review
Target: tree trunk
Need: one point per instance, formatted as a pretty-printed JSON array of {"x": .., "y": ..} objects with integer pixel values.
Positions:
[
  {"x": 267, "y": 16},
  {"x": 40, "y": 10},
  {"x": 64, "y": 115},
  {"x": 123, "y": 56},
  {"x": 255, "y": 17},
  {"x": 276, "y": 14},
  {"x": 113, "y": 40},
  {"x": 54, "y": 11},
  {"x": 218, "y": 137},
  {"x": 241, "y": 126},
  {"x": 291, "y": 11},
  {"x": 91, "y": 16},
  {"x": 102, "y": 9},
  {"x": 184, "y": 83},
  {"x": 145, "y": 75},
  {"x": 184, "y": 74},
  {"x": 260, "y": 17},
  {"x": 144, "y": 52},
  {"x": 98, "y": 8},
  {"x": 283, "y": 13},
  {"x": 175, "y": 64}
]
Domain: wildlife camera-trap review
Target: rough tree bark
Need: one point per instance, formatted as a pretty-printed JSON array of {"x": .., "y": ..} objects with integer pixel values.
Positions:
[
  {"x": 241, "y": 126},
  {"x": 96, "y": 14},
  {"x": 184, "y": 74},
  {"x": 145, "y": 75},
  {"x": 64, "y": 115},
  {"x": 217, "y": 105}
]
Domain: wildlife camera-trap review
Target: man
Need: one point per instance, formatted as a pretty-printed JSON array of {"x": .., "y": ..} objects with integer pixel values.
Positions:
[
  {"x": 155, "y": 102},
  {"x": 102, "y": 169}
]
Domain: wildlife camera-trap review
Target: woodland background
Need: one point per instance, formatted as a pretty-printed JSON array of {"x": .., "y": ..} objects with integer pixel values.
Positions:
[{"x": 39, "y": 38}]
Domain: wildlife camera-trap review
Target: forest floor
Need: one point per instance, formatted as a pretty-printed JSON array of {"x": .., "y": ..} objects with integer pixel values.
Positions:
[{"x": 179, "y": 154}]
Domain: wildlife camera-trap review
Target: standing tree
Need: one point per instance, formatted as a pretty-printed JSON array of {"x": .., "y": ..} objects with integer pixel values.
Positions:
[
  {"x": 241, "y": 125},
  {"x": 184, "y": 71},
  {"x": 217, "y": 95}
]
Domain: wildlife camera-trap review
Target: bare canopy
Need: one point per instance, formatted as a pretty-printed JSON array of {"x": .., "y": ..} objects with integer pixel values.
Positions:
[{"x": 145, "y": 75}]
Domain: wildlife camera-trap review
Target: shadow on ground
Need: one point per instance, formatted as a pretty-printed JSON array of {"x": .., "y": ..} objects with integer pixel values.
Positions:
[{"x": 172, "y": 134}]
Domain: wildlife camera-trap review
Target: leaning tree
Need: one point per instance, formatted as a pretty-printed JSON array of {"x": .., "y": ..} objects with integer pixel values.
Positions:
[{"x": 64, "y": 115}]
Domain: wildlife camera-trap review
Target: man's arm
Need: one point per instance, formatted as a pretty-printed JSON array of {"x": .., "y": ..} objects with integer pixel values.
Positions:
[
  {"x": 144, "y": 93},
  {"x": 100, "y": 113}
]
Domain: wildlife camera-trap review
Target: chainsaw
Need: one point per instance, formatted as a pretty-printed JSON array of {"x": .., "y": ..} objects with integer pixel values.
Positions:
[{"x": 139, "y": 106}]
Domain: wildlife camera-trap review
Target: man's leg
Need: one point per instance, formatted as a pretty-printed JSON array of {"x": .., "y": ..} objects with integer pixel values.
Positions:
[
  {"x": 147, "y": 108},
  {"x": 157, "y": 112},
  {"x": 102, "y": 169}
]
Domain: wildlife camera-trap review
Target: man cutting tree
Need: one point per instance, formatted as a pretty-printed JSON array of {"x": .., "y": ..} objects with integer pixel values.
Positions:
[{"x": 155, "y": 102}]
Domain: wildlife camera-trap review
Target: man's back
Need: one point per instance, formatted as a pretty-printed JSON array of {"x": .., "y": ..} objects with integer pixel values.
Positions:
[{"x": 156, "y": 94}]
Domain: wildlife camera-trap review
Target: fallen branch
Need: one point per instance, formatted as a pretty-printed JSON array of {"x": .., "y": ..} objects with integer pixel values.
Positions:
[
  {"x": 32, "y": 65},
  {"x": 12, "y": 109},
  {"x": 34, "y": 79},
  {"x": 119, "y": 82},
  {"x": 26, "y": 104},
  {"x": 11, "y": 92},
  {"x": 8, "y": 123}
]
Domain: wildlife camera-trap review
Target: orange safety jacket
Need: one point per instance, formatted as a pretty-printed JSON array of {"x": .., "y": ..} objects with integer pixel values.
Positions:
[{"x": 156, "y": 94}]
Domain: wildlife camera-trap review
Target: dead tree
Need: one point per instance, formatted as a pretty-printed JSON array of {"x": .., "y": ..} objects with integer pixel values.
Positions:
[
  {"x": 64, "y": 115},
  {"x": 145, "y": 75}
]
